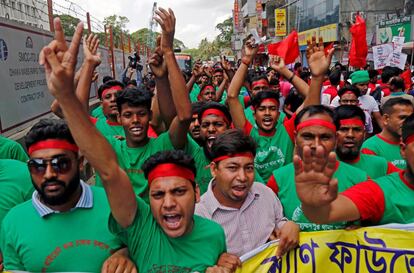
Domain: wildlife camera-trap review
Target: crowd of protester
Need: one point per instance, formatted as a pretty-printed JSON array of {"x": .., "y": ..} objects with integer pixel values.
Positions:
[{"x": 193, "y": 171}]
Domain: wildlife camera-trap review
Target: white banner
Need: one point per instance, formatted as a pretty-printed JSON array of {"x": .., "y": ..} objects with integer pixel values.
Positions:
[
  {"x": 382, "y": 55},
  {"x": 398, "y": 43},
  {"x": 398, "y": 60}
]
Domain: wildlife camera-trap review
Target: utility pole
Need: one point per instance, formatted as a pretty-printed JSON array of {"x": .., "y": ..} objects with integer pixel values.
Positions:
[{"x": 151, "y": 29}]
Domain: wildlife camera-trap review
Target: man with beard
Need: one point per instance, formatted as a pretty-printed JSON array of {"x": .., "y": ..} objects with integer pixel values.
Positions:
[
  {"x": 275, "y": 139},
  {"x": 350, "y": 134},
  {"x": 388, "y": 199},
  {"x": 233, "y": 199},
  {"x": 313, "y": 127},
  {"x": 387, "y": 143},
  {"x": 63, "y": 227}
]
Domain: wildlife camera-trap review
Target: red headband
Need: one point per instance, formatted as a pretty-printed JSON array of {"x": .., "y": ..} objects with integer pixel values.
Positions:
[
  {"x": 316, "y": 122},
  {"x": 262, "y": 82},
  {"x": 205, "y": 87},
  {"x": 116, "y": 88},
  {"x": 352, "y": 121},
  {"x": 409, "y": 140},
  {"x": 168, "y": 170},
  {"x": 245, "y": 154},
  {"x": 216, "y": 112},
  {"x": 53, "y": 144},
  {"x": 270, "y": 100}
]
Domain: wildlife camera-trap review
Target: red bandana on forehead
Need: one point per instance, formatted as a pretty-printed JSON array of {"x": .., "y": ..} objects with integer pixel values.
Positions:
[
  {"x": 116, "y": 88},
  {"x": 168, "y": 170},
  {"x": 316, "y": 122},
  {"x": 352, "y": 121},
  {"x": 261, "y": 83},
  {"x": 223, "y": 157},
  {"x": 216, "y": 112},
  {"x": 53, "y": 144},
  {"x": 270, "y": 100}
]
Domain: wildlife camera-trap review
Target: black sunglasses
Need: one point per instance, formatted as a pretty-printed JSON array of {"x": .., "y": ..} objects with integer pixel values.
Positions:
[{"x": 38, "y": 166}]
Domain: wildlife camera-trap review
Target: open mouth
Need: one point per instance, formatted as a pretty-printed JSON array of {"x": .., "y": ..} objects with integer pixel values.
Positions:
[
  {"x": 172, "y": 221},
  {"x": 267, "y": 121},
  {"x": 210, "y": 141},
  {"x": 239, "y": 190},
  {"x": 136, "y": 131}
]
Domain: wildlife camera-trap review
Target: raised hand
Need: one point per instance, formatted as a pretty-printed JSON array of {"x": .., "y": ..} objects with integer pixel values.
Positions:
[
  {"x": 250, "y": 50},
  {"x": 197, "y": 69},
  {"x": 166, "y": 19},
  {"x": 225, "y": 64},
  {"x": 317, "y": 60},
  {"x": 314, "y": 180},
  {"x": 156, "y": 61},
  {"x": 60, "y": 70},
  {"x": 90, "y": 49},
  {"x": 277, "y": 63}
]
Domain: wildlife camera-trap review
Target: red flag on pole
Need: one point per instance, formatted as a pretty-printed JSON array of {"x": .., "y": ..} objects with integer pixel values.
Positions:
[
  {"x": 359, "y": 48},
  {"x": 288, "y": 49}
]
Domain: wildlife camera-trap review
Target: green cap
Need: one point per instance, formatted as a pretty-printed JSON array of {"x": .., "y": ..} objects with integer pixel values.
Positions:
[{"x": 360, "y": 76}]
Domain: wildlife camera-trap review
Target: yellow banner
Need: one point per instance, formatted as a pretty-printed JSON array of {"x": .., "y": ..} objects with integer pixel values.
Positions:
[
  {"x": 329, "y": 33},
  {"x": 363, "y": 250},
  {"x": 280, "y": 22}
]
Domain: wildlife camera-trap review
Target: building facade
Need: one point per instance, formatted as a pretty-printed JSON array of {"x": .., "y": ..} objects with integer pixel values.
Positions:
[{"x": 33, "y": 13}]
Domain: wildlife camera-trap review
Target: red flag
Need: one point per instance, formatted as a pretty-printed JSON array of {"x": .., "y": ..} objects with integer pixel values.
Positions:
[
  {"x": 359, "y": 48},
  {"x": 288, "y": 49},
  {"x": 328, "y": 47}
]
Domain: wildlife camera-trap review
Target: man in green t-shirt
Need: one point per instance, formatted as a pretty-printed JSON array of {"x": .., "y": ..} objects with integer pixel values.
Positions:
[
  {"x": 314, "y": 126},
  {"x": 275, "y": 139},
  {"x": 10, "y": 149},
  {"x": 388, "y": 199},
  {"x": 165, "y": 233},
  {"x": 64, "y": 211},
  {"x": 350, "y": 134},
  {"x": 387, "y": 143}
]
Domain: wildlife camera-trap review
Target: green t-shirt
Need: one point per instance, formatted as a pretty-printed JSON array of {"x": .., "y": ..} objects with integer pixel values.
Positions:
[
  {"x": 399, "y": 199},
  {"x": 15, "y": 185},
  {"x": 108, "y": 129},
  {"x": 74, "y": 241},
  {"x": 284, "y": 178},
  {"x": 203, "y": 175},
  {"x": 98, "y": 112},
  {"x": 153, "y": 251},
  {"x": 390, "y": 151},
  {"x": 273, "y": 151},
  {"x": 131, "y": 160},
  {"x": 194, "y": 93},
  {"x": 10, "y": 149},
  {"x": 374, "y": 166}
]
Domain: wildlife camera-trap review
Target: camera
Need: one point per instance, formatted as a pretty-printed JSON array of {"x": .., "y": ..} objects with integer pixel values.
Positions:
[{"x": 134, "y": 61}]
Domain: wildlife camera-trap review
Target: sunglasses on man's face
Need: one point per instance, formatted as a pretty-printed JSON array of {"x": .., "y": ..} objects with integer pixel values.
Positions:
[{"x": 60, "y": 165}]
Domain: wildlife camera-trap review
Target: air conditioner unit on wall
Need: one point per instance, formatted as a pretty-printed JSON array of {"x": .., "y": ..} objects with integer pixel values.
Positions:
[{"x": 354, "y": 14}]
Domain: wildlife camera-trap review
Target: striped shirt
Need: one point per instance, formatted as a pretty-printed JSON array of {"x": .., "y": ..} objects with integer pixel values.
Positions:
[
  {"x": 248, "y": 227},
  {"x": 85, "y": 201}
]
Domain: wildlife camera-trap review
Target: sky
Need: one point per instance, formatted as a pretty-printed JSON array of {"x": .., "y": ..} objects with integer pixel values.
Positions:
[{"x": 196, "y": 19}]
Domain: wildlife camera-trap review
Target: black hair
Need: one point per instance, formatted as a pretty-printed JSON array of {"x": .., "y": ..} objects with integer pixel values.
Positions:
[
  {"x": 304, "y": 75},
  {"x": 388, "y": 106},
  {"x": 48, "y": 129},
  {"x": 134, "y": 97},
  {"x": 258, "y": 78},
  {"x": 132, "y": 82},
  {"x": 196, "y": 106},
  {"x": 178, "y": 157},
  {"x": 106, "y": 79},
  {"x": 230, "y": 142},
  {"x": 218, "y": 69},
  {"x": 274, "y": 81},
  {"x": 297, "y": 65},
  {"x": 350, "y": 88},
  {"x": 398, "y": 82},
  {"x": 335, "y": 76},
  {"x": 407, "y": 127},
  {"x": 108, "y": 84},
  {"x": 312, "y": 110},
  {"x": 214, "y": 105},
  {"x": 372, "y": 73},
  {"x": 265, "y": 94},
  {"x": 347, "y": 111},
  {"x": 387, "y": 73}
]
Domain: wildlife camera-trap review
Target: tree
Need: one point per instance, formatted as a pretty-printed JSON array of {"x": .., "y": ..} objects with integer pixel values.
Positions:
[
  {"x": 118, "y": 24},
  {"x": 226, "y": 30},
  {"x": 141, "y": 37}
]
